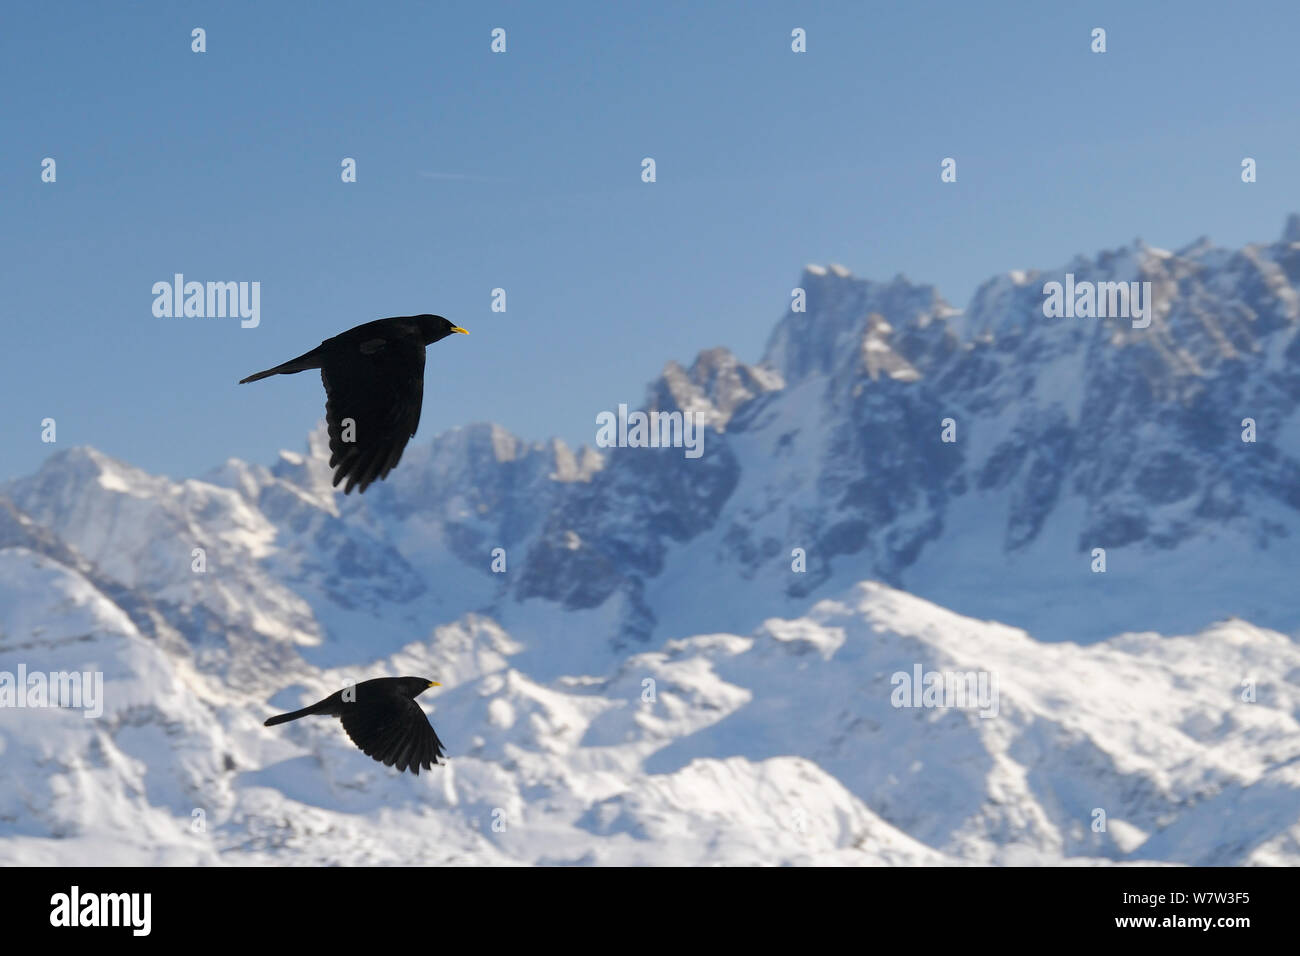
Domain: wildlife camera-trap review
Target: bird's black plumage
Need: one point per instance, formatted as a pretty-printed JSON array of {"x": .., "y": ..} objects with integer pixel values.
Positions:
[
  {"x": 374, "y": 388},
  {"x": 383, "y": 720}
]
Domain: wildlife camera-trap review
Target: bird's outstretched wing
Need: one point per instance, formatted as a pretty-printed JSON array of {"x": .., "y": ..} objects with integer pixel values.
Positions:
[
  {"x": 374, "y": 391},
  {"x": 393, "y": 730}
]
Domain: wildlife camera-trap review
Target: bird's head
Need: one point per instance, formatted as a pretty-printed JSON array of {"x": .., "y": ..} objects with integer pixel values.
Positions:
[
  {"x": 435, "y": 328},
  {"x": 415, "y": 686}
]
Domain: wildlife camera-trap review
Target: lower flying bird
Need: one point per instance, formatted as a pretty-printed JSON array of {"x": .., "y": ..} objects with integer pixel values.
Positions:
[
  {"x": 374, "y": 387},
  {"x": 383, "y": 720}
]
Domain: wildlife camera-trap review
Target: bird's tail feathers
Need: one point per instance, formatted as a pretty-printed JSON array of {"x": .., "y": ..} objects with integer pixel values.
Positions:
[
  {"x": 302, "y": 363},
  {"x": 292, "y": 715}
]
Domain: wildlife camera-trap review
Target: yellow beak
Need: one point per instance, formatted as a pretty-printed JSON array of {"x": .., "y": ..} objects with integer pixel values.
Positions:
[
  {"x": 434, "y": 683},
  {"x": 457, "y": 328}
]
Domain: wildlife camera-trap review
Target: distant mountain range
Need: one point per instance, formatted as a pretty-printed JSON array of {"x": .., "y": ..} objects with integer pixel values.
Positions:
[{"x": 772, "y": 738}]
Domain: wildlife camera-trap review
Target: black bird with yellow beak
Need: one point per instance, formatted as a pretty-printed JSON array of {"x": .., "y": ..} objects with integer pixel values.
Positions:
[
  {"x": 374, "y": 389},
  {"x": 383, "y": 720}
]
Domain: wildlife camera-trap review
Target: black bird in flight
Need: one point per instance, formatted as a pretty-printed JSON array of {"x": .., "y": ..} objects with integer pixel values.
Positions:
[
  {"x": 383, "y": 720},
  {"x": 374, "y": 387}
]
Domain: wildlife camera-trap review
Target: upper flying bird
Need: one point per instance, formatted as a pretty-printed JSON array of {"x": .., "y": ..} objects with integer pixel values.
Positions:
[
  {"x": 374, "y": 387},
  {"x": 383, "y": 719}
]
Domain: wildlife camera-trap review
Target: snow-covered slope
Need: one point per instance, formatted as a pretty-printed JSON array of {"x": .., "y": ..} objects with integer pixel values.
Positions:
[{"x": 784, "y": 746}]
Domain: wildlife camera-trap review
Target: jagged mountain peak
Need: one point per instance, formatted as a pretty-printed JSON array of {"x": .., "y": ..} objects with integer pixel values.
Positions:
[
  {"x": 835, "y": 320},
  {"x": 715, "y": 385},
  {"x": 1070, "y": 434}
]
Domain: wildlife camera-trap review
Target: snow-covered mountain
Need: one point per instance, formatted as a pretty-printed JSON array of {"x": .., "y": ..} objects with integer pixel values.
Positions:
[
  {"x": 783, "y": 746},
  {"x": 544, "y": 587}
]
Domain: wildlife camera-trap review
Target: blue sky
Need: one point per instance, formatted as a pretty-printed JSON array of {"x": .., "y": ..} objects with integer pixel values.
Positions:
[{"x": 522, "y": 171}]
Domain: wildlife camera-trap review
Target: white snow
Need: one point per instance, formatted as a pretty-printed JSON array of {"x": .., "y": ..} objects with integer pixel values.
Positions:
[{"x": 783, "y": 746}]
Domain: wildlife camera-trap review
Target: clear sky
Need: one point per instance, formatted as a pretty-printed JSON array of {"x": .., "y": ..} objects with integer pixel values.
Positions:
[{"x": 522, "y": 171}]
